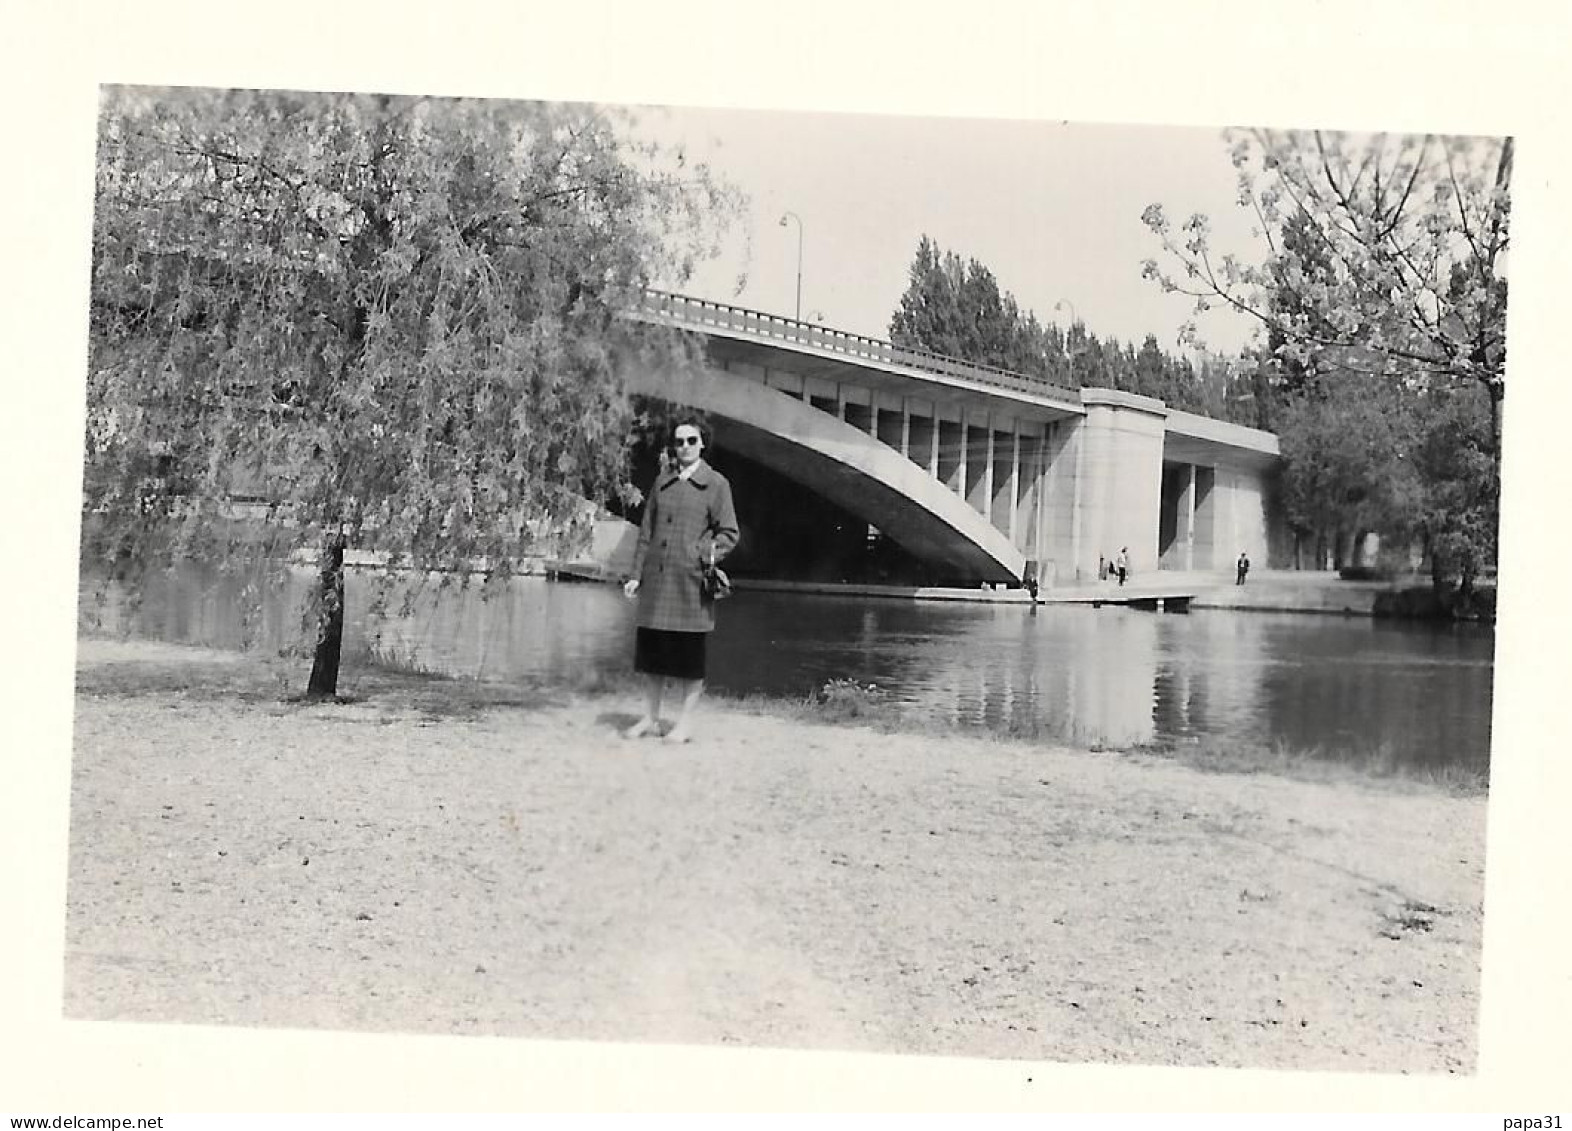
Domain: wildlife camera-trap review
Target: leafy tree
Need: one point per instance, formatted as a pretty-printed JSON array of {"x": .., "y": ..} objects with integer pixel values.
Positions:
[
  {"x": 955, "y": 307},
  {"x": 1031, "y": 349},
  {"x": 1259, "y": 395},
  {"x": 1118, "y": 361},
  {"x": 1150, "y": 369},
  {"x": 929, "y": 315},
  {"x": 1383, "y": 255},
  {"x": 390, "y": 323},
  {"x": 1388, "y": 251},
  {"x": 1456, "y": 513},
  {"x": 1346, "y": 444},
  {"x": 989, "y": 331}
]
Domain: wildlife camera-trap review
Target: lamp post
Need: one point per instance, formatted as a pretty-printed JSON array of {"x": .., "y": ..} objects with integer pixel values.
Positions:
[{"x": 784, "y": 218}]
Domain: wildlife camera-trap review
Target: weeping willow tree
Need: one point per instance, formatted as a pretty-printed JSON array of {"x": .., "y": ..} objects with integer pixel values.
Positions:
[{"x": 322, "y": 322}]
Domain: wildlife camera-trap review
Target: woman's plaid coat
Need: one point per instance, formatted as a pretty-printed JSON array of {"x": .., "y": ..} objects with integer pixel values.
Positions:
[{"x": 683, "y": 519}]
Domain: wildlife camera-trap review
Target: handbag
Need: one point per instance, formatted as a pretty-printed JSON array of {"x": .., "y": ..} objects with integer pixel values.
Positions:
[{"x": 715, "y": 586}]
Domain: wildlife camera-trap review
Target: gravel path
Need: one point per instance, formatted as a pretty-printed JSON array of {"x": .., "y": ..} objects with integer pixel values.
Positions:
[{"x": 518, "y": 870}]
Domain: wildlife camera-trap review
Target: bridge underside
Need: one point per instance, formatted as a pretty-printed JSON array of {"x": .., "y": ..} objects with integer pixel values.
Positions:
[
  {"x": 847, "y": 467},
  {"x": 897, "y": 516}
]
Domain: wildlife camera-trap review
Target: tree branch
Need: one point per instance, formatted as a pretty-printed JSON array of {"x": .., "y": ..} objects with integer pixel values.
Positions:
[
  {"x": 1462, "y": 207},
  {"x": 1402, "y": 202}
]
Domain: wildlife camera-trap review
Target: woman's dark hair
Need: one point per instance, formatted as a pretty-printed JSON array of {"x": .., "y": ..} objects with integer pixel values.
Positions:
[{"x": 690, "y": 422}]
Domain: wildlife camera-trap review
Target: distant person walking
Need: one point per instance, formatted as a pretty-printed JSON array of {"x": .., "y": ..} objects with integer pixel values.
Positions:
[
  {"x": 1242, "y": 569},
  {"x": 1122, "y": 564},
  {"x": 689, "y": 524}
]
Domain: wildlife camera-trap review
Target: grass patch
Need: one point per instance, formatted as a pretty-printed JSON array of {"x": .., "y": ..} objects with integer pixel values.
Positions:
[
  {"x": 840, "y": 702},
  {"x": 1376, "y": 765},
  {"x": 393, "y": 662},
  {"x": 376, "y": 675},
  {"x": 384, "y": 672}
]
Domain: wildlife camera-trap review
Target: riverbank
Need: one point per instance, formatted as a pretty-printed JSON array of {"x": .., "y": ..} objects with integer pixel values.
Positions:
[
  {"x": 451, "y": 857},
  {"x": 1288, "y": 591},
  {"x": 1266, "y": 591}
]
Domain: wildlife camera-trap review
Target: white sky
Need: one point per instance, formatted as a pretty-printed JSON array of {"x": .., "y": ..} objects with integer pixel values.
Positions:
[{"x": 1053, "y": 209}]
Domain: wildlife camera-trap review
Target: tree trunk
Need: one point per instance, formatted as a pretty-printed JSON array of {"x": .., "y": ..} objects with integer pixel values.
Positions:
[
  {"x": 1437, "y": 570},
  {"x": 330, "y": 622},
  {"x": 1496, "y": 392}
]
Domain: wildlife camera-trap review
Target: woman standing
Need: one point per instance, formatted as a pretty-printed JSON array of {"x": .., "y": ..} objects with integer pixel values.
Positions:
[{"x": 688, "y": 522}]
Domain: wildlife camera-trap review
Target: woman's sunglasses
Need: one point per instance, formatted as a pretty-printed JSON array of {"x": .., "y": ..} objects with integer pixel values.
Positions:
[{"x": 684, "y": 441}]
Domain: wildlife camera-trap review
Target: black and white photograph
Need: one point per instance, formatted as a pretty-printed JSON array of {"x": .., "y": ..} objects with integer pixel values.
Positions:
[{"x": 852, "y": 581}]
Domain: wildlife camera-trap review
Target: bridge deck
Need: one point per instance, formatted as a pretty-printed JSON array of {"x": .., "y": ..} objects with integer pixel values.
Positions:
[{"x": 717, "y": 318}]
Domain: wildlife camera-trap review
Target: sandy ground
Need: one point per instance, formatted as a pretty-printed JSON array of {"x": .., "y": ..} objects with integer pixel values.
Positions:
[{"x": 518, "y": 870}]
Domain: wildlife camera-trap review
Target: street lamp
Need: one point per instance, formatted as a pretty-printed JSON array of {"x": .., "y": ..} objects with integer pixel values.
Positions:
[{"x": 784, "y": 218}]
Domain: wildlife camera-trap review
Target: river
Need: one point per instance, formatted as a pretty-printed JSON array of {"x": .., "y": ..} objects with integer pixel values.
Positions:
[{"x": 1417, "y": 694}]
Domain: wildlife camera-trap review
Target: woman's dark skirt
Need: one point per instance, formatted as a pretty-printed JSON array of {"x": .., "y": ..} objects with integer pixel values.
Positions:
[{"x": 679, "y": 655}]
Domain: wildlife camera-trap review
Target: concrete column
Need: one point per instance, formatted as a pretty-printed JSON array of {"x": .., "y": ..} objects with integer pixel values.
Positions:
[
  {"x": 906, "y": 428},
  {"x": 840, "y": 401},
  {"x": 1188, "y": 503},
  {"x": 919, "y": 443},
  {"x": 960, "y": 487},
  {"x": 1015, "y": 476},
  {"x": 987, "y": 483},
  {"x": 1213, "y": 488},
  {"x": 1044, "y": 480},
  {"x": 1076, "y": 507},
  {"x": 933, "y": 444}
]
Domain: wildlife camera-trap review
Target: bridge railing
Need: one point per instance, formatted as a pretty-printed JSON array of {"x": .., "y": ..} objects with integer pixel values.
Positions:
[{"x": 705, "y": 314}]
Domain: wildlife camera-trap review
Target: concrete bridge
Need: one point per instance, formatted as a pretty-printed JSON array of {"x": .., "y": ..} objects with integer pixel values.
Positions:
[{"x": 990, "y": 475}]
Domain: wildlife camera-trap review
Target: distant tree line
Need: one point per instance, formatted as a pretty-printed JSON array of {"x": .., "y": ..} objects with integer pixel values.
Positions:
[{"x": 954, "y": 306}]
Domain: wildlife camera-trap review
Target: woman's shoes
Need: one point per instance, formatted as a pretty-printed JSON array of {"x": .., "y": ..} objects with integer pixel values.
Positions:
[
  {"x": 641, "y": 728},
  {"x": 677, "y": 734}
]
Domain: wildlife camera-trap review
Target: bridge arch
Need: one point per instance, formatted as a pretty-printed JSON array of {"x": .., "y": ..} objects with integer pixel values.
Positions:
[{"x": 845, "y": 465}]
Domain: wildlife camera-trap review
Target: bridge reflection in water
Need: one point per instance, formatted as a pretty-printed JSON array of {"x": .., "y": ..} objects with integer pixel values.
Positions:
[{"x": 1079, "y": 675}]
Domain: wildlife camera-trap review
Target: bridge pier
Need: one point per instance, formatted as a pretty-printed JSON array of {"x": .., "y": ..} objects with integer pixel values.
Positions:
[{"x": 1102, "y": 493}]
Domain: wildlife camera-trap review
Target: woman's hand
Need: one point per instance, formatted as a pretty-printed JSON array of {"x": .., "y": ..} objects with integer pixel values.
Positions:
[{"x": 630, "y": 587}]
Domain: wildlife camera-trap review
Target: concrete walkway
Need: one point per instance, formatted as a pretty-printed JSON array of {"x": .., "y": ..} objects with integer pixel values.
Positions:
[
  {"x": 1308, "y": 591},
  {"x": 1300, "y": 591}
]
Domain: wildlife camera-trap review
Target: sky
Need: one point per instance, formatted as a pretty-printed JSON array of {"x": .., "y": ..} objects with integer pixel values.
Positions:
[{"x": 1052, "y": 208}]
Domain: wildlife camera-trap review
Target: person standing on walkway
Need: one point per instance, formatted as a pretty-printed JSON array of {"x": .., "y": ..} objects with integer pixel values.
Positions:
[
  {"x": 689, "y": 524},
  {"x": 1242, "y": 569},
  {"x": 1122, "y": 563}
]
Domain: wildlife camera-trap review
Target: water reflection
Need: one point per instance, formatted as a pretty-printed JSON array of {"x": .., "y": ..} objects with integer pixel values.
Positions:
[{"x": 1112, "y": 676}]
